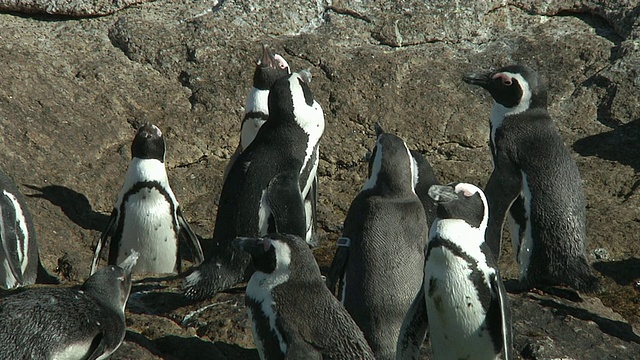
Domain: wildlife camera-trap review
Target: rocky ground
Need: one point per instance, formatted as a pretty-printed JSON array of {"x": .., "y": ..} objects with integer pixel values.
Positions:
[{"x": 75, "y": 75}]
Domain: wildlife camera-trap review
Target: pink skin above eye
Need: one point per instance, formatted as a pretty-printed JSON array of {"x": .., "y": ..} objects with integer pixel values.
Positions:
[{"x": 506, "y": 80}]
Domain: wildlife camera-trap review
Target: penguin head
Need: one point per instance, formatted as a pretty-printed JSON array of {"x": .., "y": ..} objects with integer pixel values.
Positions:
[
  {"x": 269, "y": 68},
  {"x": 291, "y": 101},
  {"x": 279, "y": 254},
  {"x": 516, "y": 87},
  {"x": 148, "y": 143},
  {"x": 392, "y": 169},
  {"x": 111, "y": 284},
  {"x": 461, "y": 201}
]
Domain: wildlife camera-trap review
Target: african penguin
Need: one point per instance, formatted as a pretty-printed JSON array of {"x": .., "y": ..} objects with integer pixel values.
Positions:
[
  {"x": 147, "y": 218},
  {"x": 265, "y": 189},
  {"x": 537, "y": 180},
  {"x": 19, "y": 260},
  {"x": 293, "y": 314},
  {"x": 426, "y": 177},
  {"x": 67, "y": 323},
  {"x": 466, "y": 304},
  {"x": 380, "y": 271},
  {"x": 268, "y": 69}
]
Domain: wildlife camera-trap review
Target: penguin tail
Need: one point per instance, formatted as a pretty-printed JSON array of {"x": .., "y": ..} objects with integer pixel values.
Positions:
[{"x": 43, "y": 276}]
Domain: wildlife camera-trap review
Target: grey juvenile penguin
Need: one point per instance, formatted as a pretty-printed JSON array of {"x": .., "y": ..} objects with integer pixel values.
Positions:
[
  {"x": 65, "y": 323},
  {"x": 380, "y": 257},
  {"x": 537, "y": 180},
  {"x": 293, "y": 314}
]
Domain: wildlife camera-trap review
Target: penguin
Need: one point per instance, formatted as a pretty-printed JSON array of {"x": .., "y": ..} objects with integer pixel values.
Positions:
[
  {"x": 536, "y": 179},
  {"x": 147, "y": 217},
  {"x": 268, "y": 69},
  {"x": 380, "y": 269},
  {"x": 264, "y": 190},
  {"x": 67, "y": 323},
  {"x": 466, "y": 305},
  {"x": 293, "y": 314},
  {"x": 20, "y": 263}
]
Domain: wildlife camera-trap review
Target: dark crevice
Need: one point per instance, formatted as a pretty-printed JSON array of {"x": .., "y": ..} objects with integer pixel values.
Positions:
[
  {"x": 326, "y": 69},
  {"x": 349, "y": 12},
  {"x": 601, "y": 26}
]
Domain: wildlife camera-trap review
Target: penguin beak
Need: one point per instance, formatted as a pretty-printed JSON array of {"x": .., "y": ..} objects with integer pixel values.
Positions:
[
  {"x": 483, "y": 79},
  {"x": 267, "y": 60},
  {"x": 252, "y": 246},
  {"x": 378, "y": 128},
  {"x": 128, "y": 263},
  {"x": 442, "y": 193}
]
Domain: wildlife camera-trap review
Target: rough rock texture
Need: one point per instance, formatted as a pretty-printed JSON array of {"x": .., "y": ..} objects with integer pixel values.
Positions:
[
  {"x": 67, "y": 7},
  {"x": 71, "y": 89}
]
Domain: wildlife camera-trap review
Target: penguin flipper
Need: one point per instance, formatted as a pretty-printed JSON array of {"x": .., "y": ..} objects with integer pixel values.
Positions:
[
  {"x": 102, "y": 242},
  {"x": 187, "y": 237},
  {"x": 415, "y": 328},
  {"x": 286, "y": 204},
  {"x": 338, "y": 265},
  {"x": 502, "y": 189},
  {"x": 98, "y": 347},
  {"x": 9, "y": 235},
  {"x": 310, "y": 205},
  {"x": 499, "y": 318}
]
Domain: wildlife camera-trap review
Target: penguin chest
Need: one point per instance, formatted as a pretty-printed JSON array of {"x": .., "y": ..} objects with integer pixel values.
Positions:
[
  {"x": 457, "y": 318},
  {"x": 149, "y": 227},
  {"x": 521, "y": 228},
  {"x": 250, "y": 127},
  {"x": 267, "y": 335},
  {"x": 20, "y": 239}
]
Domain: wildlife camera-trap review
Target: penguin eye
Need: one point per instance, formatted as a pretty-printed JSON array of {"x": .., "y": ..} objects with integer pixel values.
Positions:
[{"x": 506, "y": 81}]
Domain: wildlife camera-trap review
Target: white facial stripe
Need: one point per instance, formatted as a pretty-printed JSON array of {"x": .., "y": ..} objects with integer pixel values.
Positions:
[
  {"x": 22, "y": 226},
  {"x": 375, "y": 168},
  {"x": 282, "y": 63},
  {"x": 414, "y": 170},
  {"x": 499, "y": 111}
]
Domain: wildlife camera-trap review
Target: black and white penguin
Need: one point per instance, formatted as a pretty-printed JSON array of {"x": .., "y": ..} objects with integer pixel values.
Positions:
[
  {"x": 466, "y": 304},
  {"x": 380, "y": 268},
  {"x": 264, "y": 189},
  {"x": 19, "y": 260},
  {"x": 268, "y": 69},
  {"x": 293, "y": 314},
  {"x": 67, "y": 323},
  {"x": 147, "y": 218},
  {"x": 537, "y": 180}
]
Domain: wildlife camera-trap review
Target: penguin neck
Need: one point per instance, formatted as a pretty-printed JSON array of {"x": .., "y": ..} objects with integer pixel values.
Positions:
[
  {"x": 257, "y": 101},
  {"x": 384, "y": 183},
  {"x": 460, "y": 233},
  {"x": 145, "y": 170}
]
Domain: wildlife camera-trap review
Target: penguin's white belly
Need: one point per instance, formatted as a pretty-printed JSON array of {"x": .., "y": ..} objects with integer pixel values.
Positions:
[
  {"x": 249, "y": 131},
  {"x": 456, "y": 316},
  {"x": 149, "y": 229}
]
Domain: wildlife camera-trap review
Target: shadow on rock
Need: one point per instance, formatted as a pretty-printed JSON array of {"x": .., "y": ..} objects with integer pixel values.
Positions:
[
  {"x": 153, "y": 302},
  {"x": 620, "y": 144},
  {"x": 623, "y": 272},
  {"x": 74, "y": 205},
  {"x": 619, "y": 329}
]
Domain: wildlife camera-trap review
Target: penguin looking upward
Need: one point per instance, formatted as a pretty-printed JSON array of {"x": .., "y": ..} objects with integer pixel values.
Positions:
[
  {"x": 380, "y": 270},
  {"x": 147, "y": 218},
  {"x": 19, "y": 260},
  {"x": 66, "y": 323},
  {"x": 265, "y": 188},
  {"x": 293, "y": 314},
  {"x": 537, "y": 180}
]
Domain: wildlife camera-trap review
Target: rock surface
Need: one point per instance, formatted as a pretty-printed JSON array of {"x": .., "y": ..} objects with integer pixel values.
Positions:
[{"x": 72, "y": 87}]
